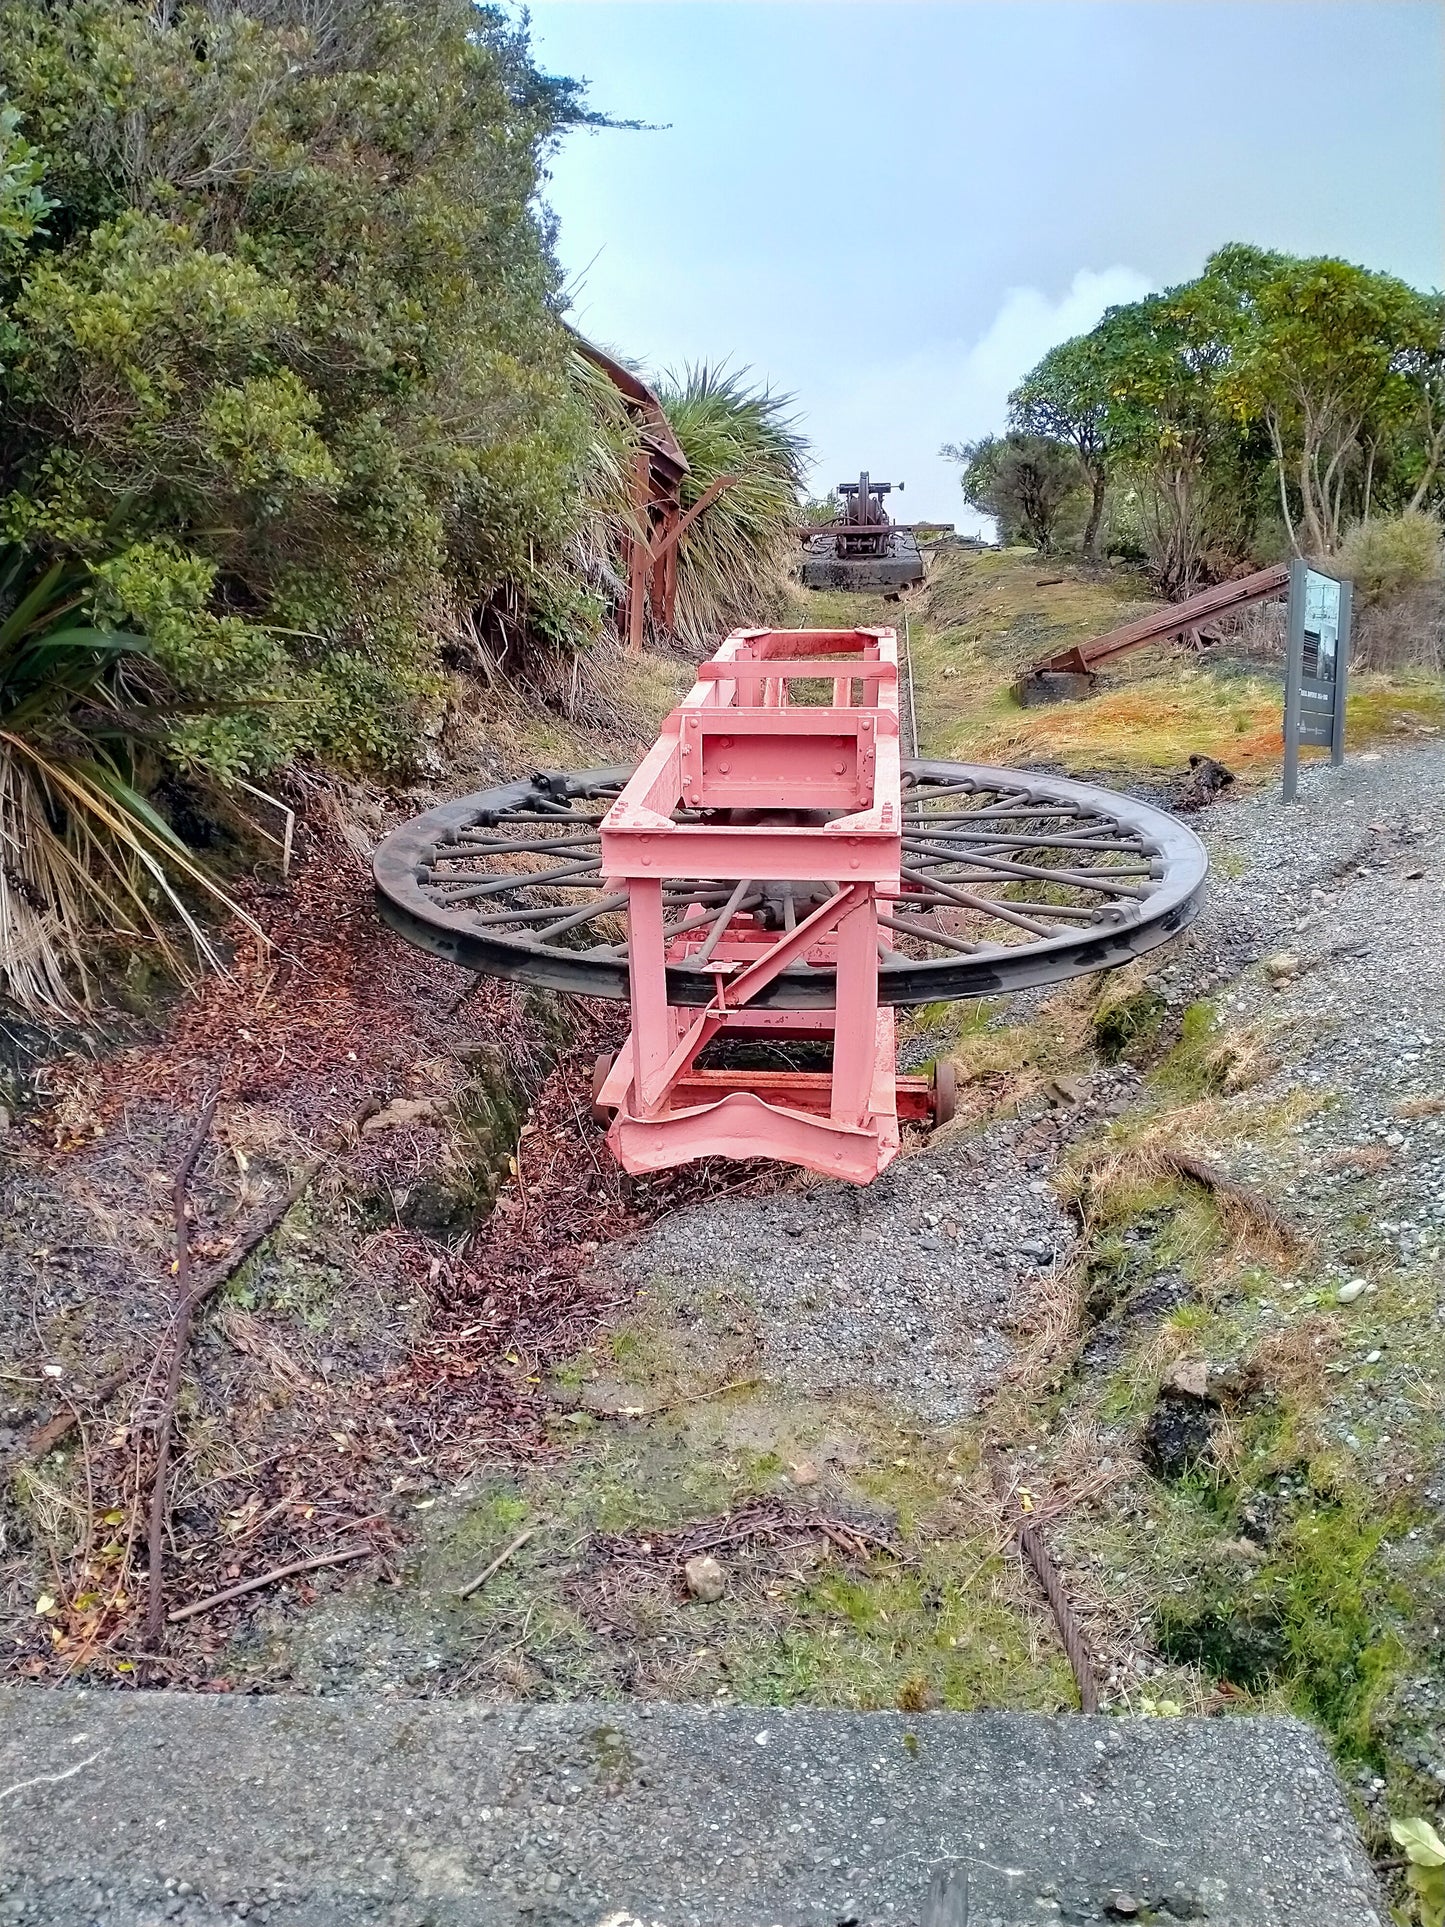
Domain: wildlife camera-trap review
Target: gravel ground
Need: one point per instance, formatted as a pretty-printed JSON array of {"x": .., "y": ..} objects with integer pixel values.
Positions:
[
  {"x": 912, "y": 1288},
  {"x": 908, "y": 1288},
  {"x": 1349, "y": 882}
]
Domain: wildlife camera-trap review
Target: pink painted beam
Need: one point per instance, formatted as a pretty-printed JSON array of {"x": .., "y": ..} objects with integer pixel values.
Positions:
[{"x": 825, "y": 780}]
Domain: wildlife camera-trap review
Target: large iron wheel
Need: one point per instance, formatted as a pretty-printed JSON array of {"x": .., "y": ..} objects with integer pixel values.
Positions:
[{"x": 1010, "y": 880}]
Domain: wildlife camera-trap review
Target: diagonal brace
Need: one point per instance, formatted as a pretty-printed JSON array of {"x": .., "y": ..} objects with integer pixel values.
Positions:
[{"x": 746, "y": 985}]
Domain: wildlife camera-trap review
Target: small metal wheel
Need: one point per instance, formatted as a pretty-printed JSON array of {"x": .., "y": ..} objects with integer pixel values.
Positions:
[
  {"x": 601, "y": 1113},
  {"x": 945, "y": 1091}
]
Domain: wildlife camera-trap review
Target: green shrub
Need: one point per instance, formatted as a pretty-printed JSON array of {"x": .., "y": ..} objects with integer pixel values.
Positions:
[
  {"x": 282, "y": 360},
  {"x": 1391, "y": 554},
  {"x": 731, "y": 562}
]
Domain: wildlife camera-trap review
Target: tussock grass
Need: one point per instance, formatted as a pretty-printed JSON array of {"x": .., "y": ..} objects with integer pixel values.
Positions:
[{"x": 733, "y": 560}]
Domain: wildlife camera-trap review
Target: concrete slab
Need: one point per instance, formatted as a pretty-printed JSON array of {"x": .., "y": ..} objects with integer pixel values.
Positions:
[{"x": 129, "y": 1810}]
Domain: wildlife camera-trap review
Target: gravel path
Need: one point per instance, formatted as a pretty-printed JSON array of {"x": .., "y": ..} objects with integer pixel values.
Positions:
[
  {"x": 1350, "y": 883},
  {"x": 906, "y": 1288},
  {"x": 911, "y": 1288}
]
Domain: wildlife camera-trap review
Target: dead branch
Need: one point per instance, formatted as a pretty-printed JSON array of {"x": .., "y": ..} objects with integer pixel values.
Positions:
[
  {"x": 46, "y": 1437},
  {"x": 184, "y": 1307},
  {"x": 253, "y": 1233},
  {"x": 265, "y": 1579},
  {"x": 475, "y": 1585}
]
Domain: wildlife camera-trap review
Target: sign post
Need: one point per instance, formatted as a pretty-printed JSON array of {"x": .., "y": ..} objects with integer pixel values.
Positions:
[{"x": 1316, "y": 667}]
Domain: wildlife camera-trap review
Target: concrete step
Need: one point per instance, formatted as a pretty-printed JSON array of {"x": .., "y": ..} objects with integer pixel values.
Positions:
[{"x": 126, "y": 1809}]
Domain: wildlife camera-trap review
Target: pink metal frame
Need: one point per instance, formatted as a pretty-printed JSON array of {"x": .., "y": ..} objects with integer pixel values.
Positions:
[{"x": 822, "y": 787}]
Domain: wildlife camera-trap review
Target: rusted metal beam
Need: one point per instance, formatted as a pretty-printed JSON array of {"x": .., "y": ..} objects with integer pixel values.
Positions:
[{"x": 1176, "y": 620}]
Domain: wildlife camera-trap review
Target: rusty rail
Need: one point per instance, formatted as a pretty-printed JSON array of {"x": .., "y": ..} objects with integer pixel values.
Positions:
[{"x": 1163, "y": 624}]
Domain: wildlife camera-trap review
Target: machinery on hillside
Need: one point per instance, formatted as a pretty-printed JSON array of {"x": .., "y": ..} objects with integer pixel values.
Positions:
[
  {"x": 862, "y": 549},
  {"x": 769, "y": 885}
]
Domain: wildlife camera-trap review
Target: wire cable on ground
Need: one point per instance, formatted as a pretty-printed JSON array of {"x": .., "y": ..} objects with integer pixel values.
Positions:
[{"x": 1036, "y": 1552}]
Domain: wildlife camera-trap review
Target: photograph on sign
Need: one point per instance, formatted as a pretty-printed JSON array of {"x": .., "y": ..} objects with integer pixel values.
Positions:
[{"x": 1321, "y": 626}]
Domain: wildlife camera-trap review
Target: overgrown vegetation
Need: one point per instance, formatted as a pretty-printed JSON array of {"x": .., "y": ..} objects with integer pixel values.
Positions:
[
  {"x": 287, "y": 393},
  {"x": 284, "y": 369},
  {"x": 983, "y": 618},
  {"x": 79, "y": 705}
]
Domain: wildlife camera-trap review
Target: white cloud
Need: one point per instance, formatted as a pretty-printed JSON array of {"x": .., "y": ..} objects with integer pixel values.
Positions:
[{"x": 893, "y": 417}]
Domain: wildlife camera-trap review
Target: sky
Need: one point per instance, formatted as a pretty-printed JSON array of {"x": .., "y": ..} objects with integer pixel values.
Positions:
[{"x": 890, "y": 210}]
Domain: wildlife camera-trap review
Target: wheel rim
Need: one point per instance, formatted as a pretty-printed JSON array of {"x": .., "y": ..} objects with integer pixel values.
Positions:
[{"x": 1011, "y": 880}]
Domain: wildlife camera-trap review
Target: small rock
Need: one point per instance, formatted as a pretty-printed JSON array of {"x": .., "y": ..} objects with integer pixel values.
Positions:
[
  {"x": 1065, "y": 1090},
  {"x": 1347, "y": 1294},
  {"x": 1189, "y": 1377},
  {"x": 1414, "y": 876},
  {"x": 1123, "y": 1906},
  {"x": 803, "y": 1473},
  {"x": 705, "y": 1578},
  {"x": 1282, "y": 969}
]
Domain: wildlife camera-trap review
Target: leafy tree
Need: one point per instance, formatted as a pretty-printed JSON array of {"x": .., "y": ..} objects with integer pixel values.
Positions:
[
  {"x": 1324, "y": 355},
  {"x": 1420, "y": 453},
  {"x": 1067, "y": 398},
  {"x": 1022, "y": 480},
  {"x": 23, "y": 202},
  {"x": 1170, "y": 426}
]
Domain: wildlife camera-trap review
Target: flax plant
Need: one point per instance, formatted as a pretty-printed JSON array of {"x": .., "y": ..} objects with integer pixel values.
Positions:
[
  {"x": 80, "y": 846},
  {"x": 732, "y": 562}
]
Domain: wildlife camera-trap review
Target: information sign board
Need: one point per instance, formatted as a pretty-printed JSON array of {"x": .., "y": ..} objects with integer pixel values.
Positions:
[{"x": 1316, "y": 667}]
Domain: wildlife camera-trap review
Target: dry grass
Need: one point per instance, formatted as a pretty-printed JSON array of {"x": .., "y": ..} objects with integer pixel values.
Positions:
[
  {"x": 1290, "y": 1363},
  {"x": 1363, "y": 1159},
  {"x": 983, "y": 618},
  {"x": 1106, "y": 1178},
  {"x": 1164, "y": 712},
  {"x": 1002, "y": 1067},
  {"x": 1414, "y": 1107},
  {"x": 609, "y": 706}
]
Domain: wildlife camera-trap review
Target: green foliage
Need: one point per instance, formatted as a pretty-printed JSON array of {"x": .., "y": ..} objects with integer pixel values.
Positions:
[
  {"x": 1312, "y": 381},
  {"x": 731, "y": 560},
  {"x": 1022, "y": 480},
  {"x": 820, "y": 510},
  {"x": 23, "y": 202},
  {"x": 1320, "y": 361},
  {"x": 1319, "y": 1626},
  {"x": 1067, "y": 398},
  {"x": 1425, "y": 1855},
  {"x": 1390, "y": 553},
  {"x": 1127, "y": 1019},
  {"x": 78, "y": 700},
  {"x": 286, "y": 368}
]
